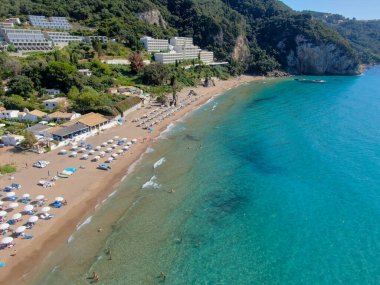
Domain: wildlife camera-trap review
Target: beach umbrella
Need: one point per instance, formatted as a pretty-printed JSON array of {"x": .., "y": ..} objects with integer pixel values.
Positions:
[
  {"x": 129, "y": 143},
  {"x": 97, "y": 157},
  {"x": 13, "y": 205},
  {"x": 74, "y": 147},
  {"x": 59, "y": 199},
  {"x": 114, "y": 155},
  {"x": 134, "y": 140},
  {"x": 125, "y": 148},
  {"x": 109, "y": 159},
  {"x": 20, "y": 229},
  {"x": 33, "y": 219},
  {"x": 45, "y": 209},
  {"x": 26, "y": 195},
  {"x": 16, "y": 216},
  {"x": 28, "y": 208},
  {"x": 98, "y": 147},
  {"x": 62, "y": 151},
  {"x": 119, "y": 151},
  {"x": 124, "y": 139},
  {"x": 4, "y": 226},
  {"x": 82, "y": 149},
  {"x": 1, "y": 203},
  {"x": 109, "y": 149},
  {"x": 114, "y": 146},
  {"x": 110, "y": 141},
  {"x": 104, "y": 144},
  {"x": 91, "y": 152},
  {"x": 3, "y": 213},
  {"x": 40, "y": 197},
  {"x": 6, "y": 240},
  {"x": 11, "y": 194},
  {"x": 116, "y": 138}
]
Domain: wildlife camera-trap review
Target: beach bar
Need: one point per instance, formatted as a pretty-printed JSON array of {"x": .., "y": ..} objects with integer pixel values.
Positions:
[{"x": 69, "y": 132}]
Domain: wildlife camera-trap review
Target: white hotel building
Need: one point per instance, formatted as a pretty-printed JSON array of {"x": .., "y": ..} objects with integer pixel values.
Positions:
[
  {"x": 182, "y": 48},
  {"x": 62, "y": 38},
  {"x": 154, "y": 45}
]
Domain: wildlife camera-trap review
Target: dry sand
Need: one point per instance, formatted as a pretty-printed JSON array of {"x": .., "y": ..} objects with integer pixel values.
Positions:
[{"x": 84, "y": 189}]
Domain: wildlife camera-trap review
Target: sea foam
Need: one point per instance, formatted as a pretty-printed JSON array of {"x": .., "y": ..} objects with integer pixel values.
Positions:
[
  {"x": 152, "y": 183},
  {"x": 159, "y": 162},
  {"x": 87, "y": 221}
]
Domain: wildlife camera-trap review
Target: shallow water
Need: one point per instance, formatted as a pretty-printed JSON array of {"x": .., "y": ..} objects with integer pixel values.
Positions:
[{"x": 276, "y": 182}]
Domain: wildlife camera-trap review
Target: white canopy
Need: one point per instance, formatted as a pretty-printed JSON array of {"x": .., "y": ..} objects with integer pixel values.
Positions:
[
  {"x": 97, "y": 157},
  {"x": 6, "y": 240},
  {"x": 134, "y": 140},
  {"x": 45, "y": 209},
  {"x": 91, "y": 152},
  {"x": 129, "y": 143},
  {"x": 126, "y": 148},
  {"x": 110, "y": 141},
  {"x": 20, "y": 229},
  {"x": 40, "y": 197},
  {"x": 116, "y": 137},
  {"x": 124, "y": 139},
  {"x": 104, "y": 144},
  {"x": 28, "y": 208},
  {"x": 119, "y": 151},
  {"x": 114, "y": 155},
  {"x": 102, "y": 153},
  {"x": 33, "y": 219},
  {"x": 74, "y": 147},
  {"x": 114, "y": 146},
  {"x": 3, "y": 213},
  {"x": 13, "y": 205},
  {"x": 11, "y": 194},
  {"x": 26, "y": 195},
  {"x": 1, "y": 203},
  {"x": 4, "y": 226},
  {"x": 59, "y": 199},
  {"x": 16, "y": 216}
]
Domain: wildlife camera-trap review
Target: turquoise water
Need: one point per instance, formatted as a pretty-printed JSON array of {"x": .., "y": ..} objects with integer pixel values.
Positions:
[{"x": 276, "y": 182}]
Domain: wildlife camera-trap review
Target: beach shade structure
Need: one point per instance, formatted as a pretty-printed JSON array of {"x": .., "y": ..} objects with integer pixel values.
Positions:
[
  {"x": 97, "y": 148},
  {"x": 13, "y": 205},
  {"x": 91, "y": 152},
  {"x": 7, "y": 240},
  {"x": 62, "y": 152},
  {"x": 134, "y": 140},
  {"x": 129, "y": 143},
  {"x": 119, "y": 151},
  {"x": 1, "y": 203},
  {"x": 73, "y": 154},
  {"x": 20, "y": 229},
  {"x": 26, "y": 195},
  {"x": 59, "y": 199},
  {"x": 74, "y": 147},
  {"x": 114, "y": 155},
  {"x": 33, "y": 219},
  {"x": 126, "y": 148},
  {"x": 114, "y": 146},
  {"x": 84, "y": 157},
  {"x": 96, "y": 158},
  {"x": 16, "y": 216},
  {"x": 40, "y": 197},
  {"x": 28, "y": 208},
  {"x": 109, "y": 150},
  {"x": 109, "y": 159},
  {"x": 110, "y": 141},
  {"x": 10, "y": 194},
  {"x": 124, "y": 139},
  {"x": 4, "y": 226},
  {"x": 3, "y": 213},
  {"x": 82, "y": 150},
  {"x": 45, "y": 209}
]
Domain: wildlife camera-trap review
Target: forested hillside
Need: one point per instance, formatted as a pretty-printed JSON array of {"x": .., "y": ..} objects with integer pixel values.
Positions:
[
  {"x": 363, "y": 35},
  {"x": 256, "y": 35}
]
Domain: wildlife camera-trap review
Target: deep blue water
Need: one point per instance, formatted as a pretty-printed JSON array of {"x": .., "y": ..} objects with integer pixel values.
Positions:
[{"x": 275, "y": 182}]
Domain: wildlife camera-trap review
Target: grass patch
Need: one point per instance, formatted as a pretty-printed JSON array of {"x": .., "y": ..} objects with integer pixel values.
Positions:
[{"x": 7, "y": 168}]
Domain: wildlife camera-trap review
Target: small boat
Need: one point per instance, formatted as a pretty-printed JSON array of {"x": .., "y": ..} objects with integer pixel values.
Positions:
[
  {"x": 62, "y": 175},
  {"x": 309, "y": 80}
]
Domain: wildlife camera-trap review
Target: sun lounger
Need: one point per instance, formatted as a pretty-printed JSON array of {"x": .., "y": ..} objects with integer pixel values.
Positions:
[{"x": 27, "y": 237}]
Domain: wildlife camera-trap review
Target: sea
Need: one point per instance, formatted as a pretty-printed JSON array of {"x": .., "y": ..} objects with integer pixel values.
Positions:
[{"x": 274, "y": 182}]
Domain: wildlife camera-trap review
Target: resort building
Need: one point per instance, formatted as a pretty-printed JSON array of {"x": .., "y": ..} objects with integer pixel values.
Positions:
[
  {"x": 40, "y": 130},
  {"x": 58, "y": 23},
  {"x": 168, "y": 57},
  {"x": 84, "y": 125},
  {"x": 53, "y": 91},
  {"x": 55, "y": 103},
  {"x": 62, "y": 116},
  {"x": 6, "y": 25},
  {"x": 188, "y": 51},
  {"x": 9, "y": 114},
  {"x": 13, "y": 140},
  {"x": 62, "y": 38},
  {"x": 26, "y": 40},
  {"x": 154, "y": 45},
  {"x": 206, "y": 56},
  {"x": 91, "y": 39},
  {"x": 181, "y": 41},
  {"x": 14, "y": 21},
  {"x": 116, "y": 61},
  {"x": 33, "y": 116},
  {"x": 85, "y": 72}
]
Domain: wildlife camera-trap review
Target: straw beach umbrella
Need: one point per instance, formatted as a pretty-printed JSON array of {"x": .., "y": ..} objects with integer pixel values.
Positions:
[
  {"x": 45, "y": 209},
  {"x": 28, "y": 208},
  {"x": 16, "y": 216},
  {"x": 20, "y": 229},
  {"x": 4, "y": 226},
  {"x": 7, "y": 240},
  {"x": 33, "y": 219}
]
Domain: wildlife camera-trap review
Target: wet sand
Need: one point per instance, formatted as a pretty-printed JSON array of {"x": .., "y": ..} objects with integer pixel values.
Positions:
[{"x": 84, "y": 189}]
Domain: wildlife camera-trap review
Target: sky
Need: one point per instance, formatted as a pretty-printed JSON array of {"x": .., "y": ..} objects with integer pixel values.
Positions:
[{"x": 360, "y": 9}]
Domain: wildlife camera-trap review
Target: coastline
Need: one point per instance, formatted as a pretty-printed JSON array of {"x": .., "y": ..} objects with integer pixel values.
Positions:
[{"x": 83, "y": 196}]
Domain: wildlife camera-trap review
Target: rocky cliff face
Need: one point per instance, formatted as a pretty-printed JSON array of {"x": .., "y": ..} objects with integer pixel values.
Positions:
[
  {"x": 152, "y": 17},
  {"x": 241, "y": 50},
  {"x": 317, "y": 59}
]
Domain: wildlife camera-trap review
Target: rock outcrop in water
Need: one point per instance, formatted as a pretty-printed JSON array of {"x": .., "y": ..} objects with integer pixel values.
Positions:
[{"x": 317, "y": 59}]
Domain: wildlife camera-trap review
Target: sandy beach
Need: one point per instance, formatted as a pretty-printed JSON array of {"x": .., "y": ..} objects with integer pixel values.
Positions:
[{"x": 84, "y": 189}]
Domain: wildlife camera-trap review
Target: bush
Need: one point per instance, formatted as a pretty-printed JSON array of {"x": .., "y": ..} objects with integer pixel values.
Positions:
[{"x": 7, "y": 168}]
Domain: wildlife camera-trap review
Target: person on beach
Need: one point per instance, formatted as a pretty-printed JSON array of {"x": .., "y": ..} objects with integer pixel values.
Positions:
[
  {"x": 163, "y": 276},
  {"x": 64, "y": 202},
  {"x": 95, "y": 277}
]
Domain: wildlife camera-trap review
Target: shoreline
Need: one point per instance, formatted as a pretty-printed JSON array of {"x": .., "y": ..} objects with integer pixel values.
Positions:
[{"x": 69, "y": 219}]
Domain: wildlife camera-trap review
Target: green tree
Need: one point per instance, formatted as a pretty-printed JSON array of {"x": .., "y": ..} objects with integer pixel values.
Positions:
[
  {"x": 61, "y": 74},
  {"x": 29, "y": 140},
  {"x": 21, "y": 85},
  {"x": 155, "y": 74}
]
